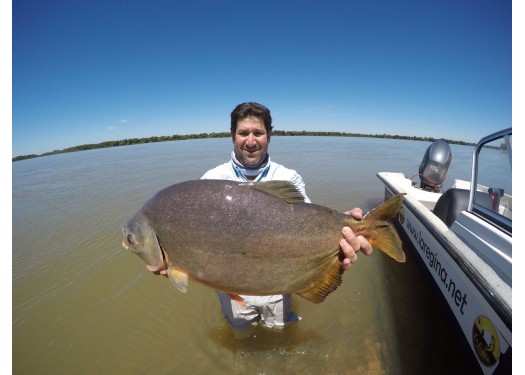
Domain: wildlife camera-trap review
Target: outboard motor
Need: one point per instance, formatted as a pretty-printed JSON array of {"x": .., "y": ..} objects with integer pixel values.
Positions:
[{"x": 434, "y": 166}]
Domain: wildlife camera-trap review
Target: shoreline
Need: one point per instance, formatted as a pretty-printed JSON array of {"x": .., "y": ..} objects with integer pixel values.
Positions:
[{"x": 177, "y": 137}]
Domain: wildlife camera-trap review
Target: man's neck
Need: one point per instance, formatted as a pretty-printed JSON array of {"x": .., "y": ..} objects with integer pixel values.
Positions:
[{"x": 250, "y": 173}]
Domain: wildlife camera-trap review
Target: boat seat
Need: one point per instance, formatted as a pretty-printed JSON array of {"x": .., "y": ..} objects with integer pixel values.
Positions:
[{"x": 453, "y": 201}]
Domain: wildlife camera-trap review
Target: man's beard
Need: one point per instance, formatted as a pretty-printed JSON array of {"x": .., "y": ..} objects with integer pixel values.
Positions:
[{"x": 258, "y": 161}]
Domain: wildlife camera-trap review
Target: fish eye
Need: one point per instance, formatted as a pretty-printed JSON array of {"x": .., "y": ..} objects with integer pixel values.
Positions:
[{"x": 130, "y": 239}]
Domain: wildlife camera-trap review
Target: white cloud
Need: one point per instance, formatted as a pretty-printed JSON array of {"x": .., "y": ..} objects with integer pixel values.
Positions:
[{"x": 122, "y": 121}]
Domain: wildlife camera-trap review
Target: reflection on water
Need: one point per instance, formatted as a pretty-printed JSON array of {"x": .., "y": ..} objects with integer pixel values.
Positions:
[{"x": 82, "y": 304}]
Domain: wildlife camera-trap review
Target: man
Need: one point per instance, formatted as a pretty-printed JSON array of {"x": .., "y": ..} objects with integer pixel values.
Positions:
[{"x": 251, "y": 130}]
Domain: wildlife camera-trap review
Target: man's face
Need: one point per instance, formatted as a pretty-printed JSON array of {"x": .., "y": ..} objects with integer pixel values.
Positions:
[{"x": 250, "y": 142}]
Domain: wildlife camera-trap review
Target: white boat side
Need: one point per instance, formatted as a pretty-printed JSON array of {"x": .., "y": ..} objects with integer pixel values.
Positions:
[{"x": 470, "y": 260}]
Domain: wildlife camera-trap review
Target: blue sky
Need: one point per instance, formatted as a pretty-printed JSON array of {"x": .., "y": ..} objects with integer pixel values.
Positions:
[{"x": 92, "y": 71}]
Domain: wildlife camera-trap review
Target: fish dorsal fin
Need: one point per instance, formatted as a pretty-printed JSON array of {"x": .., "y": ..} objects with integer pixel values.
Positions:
[
  {"x": 323, "y": 287},
  {"x": 284, "y": 190}
]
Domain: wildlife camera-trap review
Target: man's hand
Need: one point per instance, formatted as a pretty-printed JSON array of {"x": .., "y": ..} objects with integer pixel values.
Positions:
[{"x": 351, "y": 244}]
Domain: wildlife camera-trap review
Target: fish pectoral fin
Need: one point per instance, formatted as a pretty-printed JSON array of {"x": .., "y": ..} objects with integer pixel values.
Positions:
[
  {"x": 179, "y": 279},
  {"x": 284, "y": 190},
  {"x": 324, "y": 286},
  {"x": 237, "y": 298}
]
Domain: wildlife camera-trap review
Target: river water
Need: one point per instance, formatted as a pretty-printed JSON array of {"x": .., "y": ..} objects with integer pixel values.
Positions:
[{"x": 81, "y": 304}]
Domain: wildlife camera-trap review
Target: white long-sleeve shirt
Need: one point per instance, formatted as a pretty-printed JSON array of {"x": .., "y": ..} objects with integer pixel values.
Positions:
[{"x": 272, "y": 171}]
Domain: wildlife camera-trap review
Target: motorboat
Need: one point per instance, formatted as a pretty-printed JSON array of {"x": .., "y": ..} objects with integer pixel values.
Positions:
[{"x": 461, "y": 239}]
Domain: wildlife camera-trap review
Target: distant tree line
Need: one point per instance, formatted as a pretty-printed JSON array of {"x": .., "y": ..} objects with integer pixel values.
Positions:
[
  {"x": 177, "y": 137},
  {"x": 387, "y": 136}
]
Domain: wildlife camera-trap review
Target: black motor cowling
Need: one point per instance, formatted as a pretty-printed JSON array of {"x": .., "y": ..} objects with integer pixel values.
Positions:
[{"x": 434, "y": 166}]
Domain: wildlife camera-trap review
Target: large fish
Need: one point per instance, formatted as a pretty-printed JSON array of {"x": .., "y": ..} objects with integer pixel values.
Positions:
[{"x": 251, "y": 238}]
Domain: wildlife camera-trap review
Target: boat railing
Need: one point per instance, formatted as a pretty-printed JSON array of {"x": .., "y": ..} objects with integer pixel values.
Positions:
[{"x": 489, "y": 157}]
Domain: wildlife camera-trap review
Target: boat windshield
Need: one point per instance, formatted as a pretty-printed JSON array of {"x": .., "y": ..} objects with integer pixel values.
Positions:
[{"x": 492, "y": 174}]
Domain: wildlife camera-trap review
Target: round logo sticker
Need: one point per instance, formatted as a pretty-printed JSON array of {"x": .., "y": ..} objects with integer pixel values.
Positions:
[{"x": 486, "y": 341}]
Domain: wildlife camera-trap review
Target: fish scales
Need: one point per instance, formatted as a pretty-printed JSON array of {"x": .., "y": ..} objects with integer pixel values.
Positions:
[{"x": 243, "y": 238}]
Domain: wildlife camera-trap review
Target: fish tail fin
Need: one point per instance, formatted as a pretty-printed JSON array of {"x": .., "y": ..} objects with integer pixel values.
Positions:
[
  {"x": 382, "y": 234},
  {"x": 388, "y": 209},
  {"x": 387, "y": 240}
]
